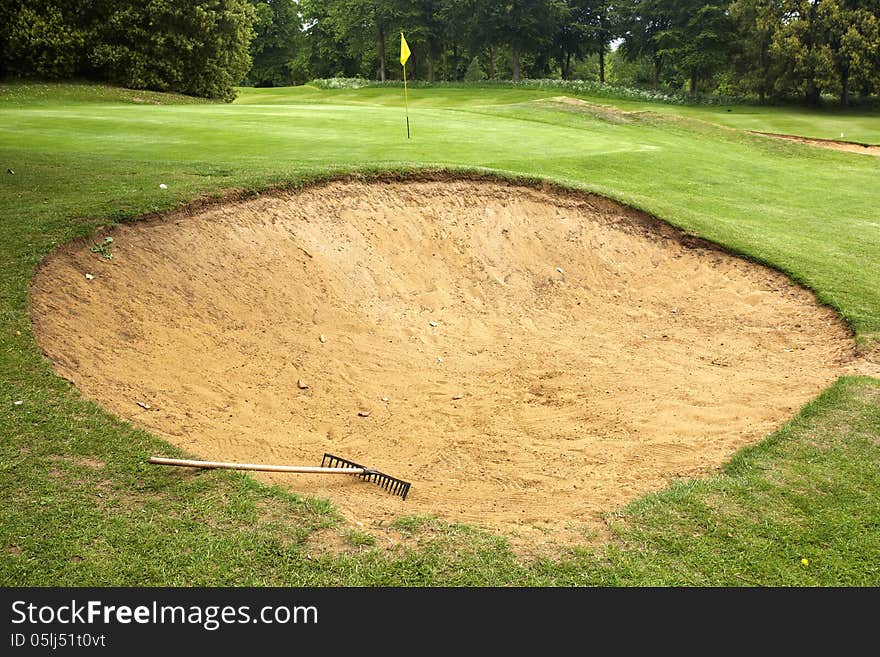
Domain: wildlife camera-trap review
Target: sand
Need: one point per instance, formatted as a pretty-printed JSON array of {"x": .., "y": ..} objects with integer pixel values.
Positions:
[
  {"x": 848, "y": 146},
  {"x": 529, "y": 359}
]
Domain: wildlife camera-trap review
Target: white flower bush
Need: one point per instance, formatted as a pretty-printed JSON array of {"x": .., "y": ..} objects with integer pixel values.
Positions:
[
  {"x": 342, "y": 83},
  {"x": 580, "y": 87}
]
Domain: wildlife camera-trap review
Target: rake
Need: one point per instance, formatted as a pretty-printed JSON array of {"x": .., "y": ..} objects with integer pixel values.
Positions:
[{"x": 330, "y": 464}]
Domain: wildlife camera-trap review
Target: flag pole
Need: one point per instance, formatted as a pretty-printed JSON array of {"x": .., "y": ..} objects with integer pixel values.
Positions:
[
  {"x": 405, "y": 101},
  {"x": 404, "y": 55}
]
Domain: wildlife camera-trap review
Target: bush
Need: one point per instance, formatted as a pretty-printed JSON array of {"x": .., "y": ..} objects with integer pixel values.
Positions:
[
  {"x": 574, "y": 87},
  {"x": 196, "y": 47},
  {"x": 474, "y": 72},
  {"x": 342, "y": 83},
  {"x": 42, "y": 44}
]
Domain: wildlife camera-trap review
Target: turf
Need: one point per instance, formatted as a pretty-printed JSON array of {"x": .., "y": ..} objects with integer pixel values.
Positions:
[
  {"x": 855, "y": 125},
  {"x": 80, "y": 506}
]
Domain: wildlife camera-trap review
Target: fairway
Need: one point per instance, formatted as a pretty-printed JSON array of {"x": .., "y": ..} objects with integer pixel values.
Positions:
[{"x": 514, "y": 368}]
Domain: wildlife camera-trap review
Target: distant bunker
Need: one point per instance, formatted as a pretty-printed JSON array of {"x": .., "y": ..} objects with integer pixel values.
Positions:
[{"x": 529, "y": 359}]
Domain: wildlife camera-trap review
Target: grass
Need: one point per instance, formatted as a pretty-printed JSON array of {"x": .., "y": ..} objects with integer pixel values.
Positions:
[
  {"x": 857, "y": 125},
  {"x": 80, "y": 507},
  {"x": 73, "y": 93}
]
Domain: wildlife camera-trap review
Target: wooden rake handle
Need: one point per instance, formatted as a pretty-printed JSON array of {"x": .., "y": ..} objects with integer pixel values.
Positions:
[{"x": 212, "y": 465}]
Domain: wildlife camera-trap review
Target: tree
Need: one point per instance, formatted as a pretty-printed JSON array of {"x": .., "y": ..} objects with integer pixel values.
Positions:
[
  {"x": 643, "y": 22},
  {"x": 324, "y": 51},
  {"x": 602, "y": 26},
  {"x": 755, "y": 23},
  {"x": 850, "y": 38},
  {"x": 528, "y": 25},
  {"x": 198, "y": 47},
  {"x": 359, "y": 23},
  {"x": 798, "y": 45},
  {"x": 827, "y": 45},
  {"x": 699, "y": 38},
  {"x": 43, "y": 38},
  {"x": 479, "y": 25},
  {"x": 422, "y": 22},
  {"x": 474, "y": 72},
  {"x": 570, "y": 40},
  {"x": 277, "y": 40},
  {"x": 864, "y": 44}
]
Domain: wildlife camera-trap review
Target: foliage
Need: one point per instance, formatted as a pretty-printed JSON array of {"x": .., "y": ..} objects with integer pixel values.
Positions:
[
  {"x": 642, "y": 25},
  {"x": 764, "y": 49},
  {"x": 277, "y": 39},
  {"x": 103, "y": 248},
  {"x": 475, "y": 72},
  {"x": 755, "y": 23},
  {"x": 358, "y": 30},
  {"x": 197, "y": 47},
  {"x": 40, "y": 40},
  {"x": 698, "y": 38},
  {"x": 808, "y": 47},
  {"x": 590, "y": 88},
  {"x": 342, "y": 83}
]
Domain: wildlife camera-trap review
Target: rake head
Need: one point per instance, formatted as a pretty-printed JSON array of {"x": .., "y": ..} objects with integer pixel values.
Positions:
[{"x": 393, "y": 485}]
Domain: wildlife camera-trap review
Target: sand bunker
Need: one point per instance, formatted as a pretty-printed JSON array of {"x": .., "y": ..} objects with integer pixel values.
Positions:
[
  {"x": 848, "y": 146},
  {"x": 529, "y": 359}
]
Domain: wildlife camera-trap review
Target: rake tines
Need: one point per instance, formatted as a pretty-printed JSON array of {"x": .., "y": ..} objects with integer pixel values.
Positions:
[{"x": 393, "y": 485}]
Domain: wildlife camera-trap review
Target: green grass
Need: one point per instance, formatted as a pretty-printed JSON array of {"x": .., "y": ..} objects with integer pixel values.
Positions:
[
  {"x": 855, "y": 125},
  {"x": 72, "y": 93},
  {"x": 81, "y": 507}
]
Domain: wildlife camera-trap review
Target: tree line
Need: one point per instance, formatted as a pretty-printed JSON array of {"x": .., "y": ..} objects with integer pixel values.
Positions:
[{"x": 759, "y": 48}]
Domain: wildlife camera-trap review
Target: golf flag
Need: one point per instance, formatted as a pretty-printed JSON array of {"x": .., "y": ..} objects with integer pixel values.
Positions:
[
  {"x": 404, "y": 55},
  {"x": 404, "y": 50}
]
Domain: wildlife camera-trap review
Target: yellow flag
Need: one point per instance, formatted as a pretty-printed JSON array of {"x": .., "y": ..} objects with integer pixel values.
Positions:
[
  {"x": 404, "y": 55},
  {"x": 404, "y": 49}
]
